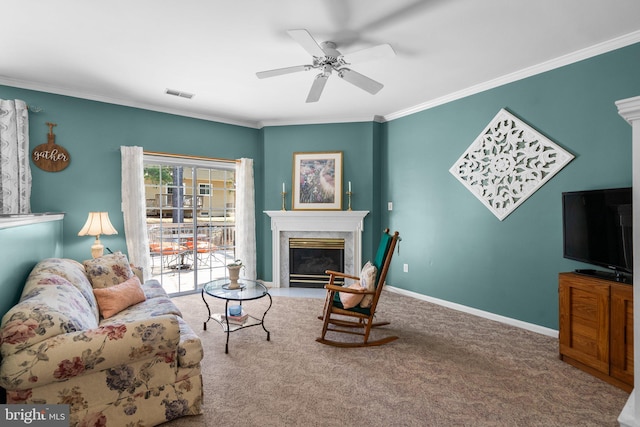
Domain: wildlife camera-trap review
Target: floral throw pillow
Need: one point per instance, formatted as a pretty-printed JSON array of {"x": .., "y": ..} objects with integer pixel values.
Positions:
[
  {"x": 368, "y": 282},
  {"x": 108, "y": 270}
]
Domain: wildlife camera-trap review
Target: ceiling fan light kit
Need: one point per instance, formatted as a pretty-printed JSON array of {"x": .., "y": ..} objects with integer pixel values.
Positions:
[{"x": 326, "y": 59}]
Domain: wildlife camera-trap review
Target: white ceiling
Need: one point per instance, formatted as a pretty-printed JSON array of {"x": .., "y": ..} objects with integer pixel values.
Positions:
[{"x": 130, "y": 52}]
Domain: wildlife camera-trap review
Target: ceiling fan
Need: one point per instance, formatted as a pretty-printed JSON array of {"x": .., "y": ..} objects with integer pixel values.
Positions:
[{"x": 327, "y": 59}]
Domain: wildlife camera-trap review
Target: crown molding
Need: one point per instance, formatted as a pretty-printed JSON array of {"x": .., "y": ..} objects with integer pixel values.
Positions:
[
  {"x": 117, "y": 101},
  {"x": 319, "y": 121},
  {"x": 629, "y": 109},
  {"x": 589, "y": 52},
  {"x": 568, "y": 59}
]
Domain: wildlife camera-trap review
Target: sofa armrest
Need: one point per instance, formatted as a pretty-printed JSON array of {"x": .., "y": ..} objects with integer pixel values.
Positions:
[{"x": 83, "y": 352}]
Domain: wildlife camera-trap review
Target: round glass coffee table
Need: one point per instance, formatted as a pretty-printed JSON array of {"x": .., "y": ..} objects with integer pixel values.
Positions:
[{"x": 231, "y": 322}]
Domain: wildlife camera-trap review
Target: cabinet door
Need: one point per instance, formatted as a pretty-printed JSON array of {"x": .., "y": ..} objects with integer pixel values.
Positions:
[
  {"x": 584, "y": 320},
  {"x": 622, "y": 333}
]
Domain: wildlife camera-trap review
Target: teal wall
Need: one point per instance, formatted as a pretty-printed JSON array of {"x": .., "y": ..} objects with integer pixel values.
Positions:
[
  {"x": 457, "y": 250},
  {"x": 92, "y": 132},
  {"x": 360, "y": 147},
  {"x": 21, "y": 249}
]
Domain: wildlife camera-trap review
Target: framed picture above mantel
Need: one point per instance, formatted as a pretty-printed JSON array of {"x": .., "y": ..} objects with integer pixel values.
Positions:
[{"x": 317, "y": 181}]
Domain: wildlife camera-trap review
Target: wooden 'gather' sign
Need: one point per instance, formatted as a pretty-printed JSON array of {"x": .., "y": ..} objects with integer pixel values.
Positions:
[{"x": 50, "y": 157}]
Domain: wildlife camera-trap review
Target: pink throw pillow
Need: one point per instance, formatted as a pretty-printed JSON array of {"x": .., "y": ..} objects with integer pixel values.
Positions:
[
  {"x": 114, "y": 299},
  {"x": 351, "y": 300}
]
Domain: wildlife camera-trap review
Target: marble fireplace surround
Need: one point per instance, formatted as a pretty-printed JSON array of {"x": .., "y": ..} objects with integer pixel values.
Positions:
[{"x": 347, "y": 225}]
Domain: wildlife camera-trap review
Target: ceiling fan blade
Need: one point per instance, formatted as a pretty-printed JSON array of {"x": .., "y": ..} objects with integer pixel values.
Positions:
[
  {"x": 307, "y": 42},
  {"x": 397, "y": 16},
  {"x": 339, "y": 12},
  {"x": 317, "y": 87},
  {"x": 376, "y": 52},
  {"x": 357, "y": 79},
  {"x": 281, "y": 71}
]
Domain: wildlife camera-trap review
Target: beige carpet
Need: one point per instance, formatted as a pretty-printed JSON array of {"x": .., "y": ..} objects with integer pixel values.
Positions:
[{"x": 447, "y": 369}]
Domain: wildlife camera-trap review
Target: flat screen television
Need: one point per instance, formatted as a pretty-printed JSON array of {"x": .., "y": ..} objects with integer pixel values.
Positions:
[{"x": 597, "y": 229}]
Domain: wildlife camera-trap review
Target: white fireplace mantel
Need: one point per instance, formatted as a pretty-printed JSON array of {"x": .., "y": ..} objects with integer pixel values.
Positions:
[{"x": 284, "y": 223}]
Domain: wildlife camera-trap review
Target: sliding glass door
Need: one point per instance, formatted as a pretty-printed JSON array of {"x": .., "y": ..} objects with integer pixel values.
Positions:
[{"x": 190, "y": 215}]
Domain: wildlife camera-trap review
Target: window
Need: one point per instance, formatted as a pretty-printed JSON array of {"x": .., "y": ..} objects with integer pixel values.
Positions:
[{"x": 190, "y": 215}]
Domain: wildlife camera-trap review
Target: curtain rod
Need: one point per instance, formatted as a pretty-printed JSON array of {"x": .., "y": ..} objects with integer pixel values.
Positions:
[{"x": 183, "y": 156}]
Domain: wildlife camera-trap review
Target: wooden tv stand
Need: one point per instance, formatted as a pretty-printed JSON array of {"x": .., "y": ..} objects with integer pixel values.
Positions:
[{"x": 596, "y": 327}]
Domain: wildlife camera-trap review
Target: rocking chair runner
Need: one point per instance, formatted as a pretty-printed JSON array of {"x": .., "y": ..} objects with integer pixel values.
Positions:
[{"x": 357, "y": 320}]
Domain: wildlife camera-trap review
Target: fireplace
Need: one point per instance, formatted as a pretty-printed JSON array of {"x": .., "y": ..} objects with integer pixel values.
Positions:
[
  {"x": 310, "y": 257},
  {"x": 287, "y": 225}
]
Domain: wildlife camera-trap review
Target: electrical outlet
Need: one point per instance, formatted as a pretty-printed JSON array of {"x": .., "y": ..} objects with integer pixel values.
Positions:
[
  {"x": 390, "y": 206},
  {"x": 405, "y": 268}
]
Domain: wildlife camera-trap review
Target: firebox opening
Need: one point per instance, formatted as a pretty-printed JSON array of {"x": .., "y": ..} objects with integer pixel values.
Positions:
[{"x": 310, "y": 257}]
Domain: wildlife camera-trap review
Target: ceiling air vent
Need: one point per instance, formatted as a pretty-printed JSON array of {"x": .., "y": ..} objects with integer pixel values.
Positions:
[{"x": 179, "y": 93}]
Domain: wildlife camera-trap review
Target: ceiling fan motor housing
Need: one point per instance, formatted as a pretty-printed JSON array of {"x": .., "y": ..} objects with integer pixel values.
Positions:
[
  {"x": 330, "y": 50},
  {"x": 332, "y": 58}
]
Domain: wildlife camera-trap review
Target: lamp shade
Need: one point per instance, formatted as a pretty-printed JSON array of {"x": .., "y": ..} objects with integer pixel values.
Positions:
[{"x": 97, "y": 223}]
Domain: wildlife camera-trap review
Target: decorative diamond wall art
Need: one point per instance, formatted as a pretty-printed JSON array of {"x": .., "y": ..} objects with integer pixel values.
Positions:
[{"x": 507, "y": 163}]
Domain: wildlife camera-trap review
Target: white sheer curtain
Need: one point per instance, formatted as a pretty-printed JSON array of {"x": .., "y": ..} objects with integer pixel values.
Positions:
[
  {"x": 134, "y": 209},
  {"x": 15, "y": 171},
  {"x": 246, "y": 217}
]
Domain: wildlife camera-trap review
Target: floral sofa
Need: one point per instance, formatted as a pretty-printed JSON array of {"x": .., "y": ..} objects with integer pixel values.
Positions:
[{"x": 137, "y": 365}]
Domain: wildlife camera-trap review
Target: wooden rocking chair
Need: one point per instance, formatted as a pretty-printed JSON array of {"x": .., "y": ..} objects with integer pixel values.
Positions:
[{"x": 357, "y": 320}]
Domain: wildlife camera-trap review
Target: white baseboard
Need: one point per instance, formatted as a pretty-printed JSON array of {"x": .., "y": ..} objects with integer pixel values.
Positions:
[
  {"x": 627, "y": 417},
  {"x": 480, "y": 313}
]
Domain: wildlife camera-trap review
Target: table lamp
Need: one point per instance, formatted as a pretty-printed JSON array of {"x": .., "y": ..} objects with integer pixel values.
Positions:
[{"x": 97, "y": 223}]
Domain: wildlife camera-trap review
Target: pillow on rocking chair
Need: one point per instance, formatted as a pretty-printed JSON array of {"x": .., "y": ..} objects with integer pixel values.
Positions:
[
  {"x": 351, "y": 300},
  {"x": 368, "y": 282}
]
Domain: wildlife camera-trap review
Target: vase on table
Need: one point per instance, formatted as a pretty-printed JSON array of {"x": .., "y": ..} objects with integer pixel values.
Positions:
[{"x": 234, "y": 275}]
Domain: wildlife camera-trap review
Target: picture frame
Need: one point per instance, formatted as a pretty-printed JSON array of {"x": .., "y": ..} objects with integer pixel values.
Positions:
[{"x": 317, "y": 181}]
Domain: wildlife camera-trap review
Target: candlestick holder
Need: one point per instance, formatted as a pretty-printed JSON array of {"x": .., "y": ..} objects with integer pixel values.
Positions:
[
  {"x": 284, "y": 193},
  {"x": 349, "y": 193}
]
